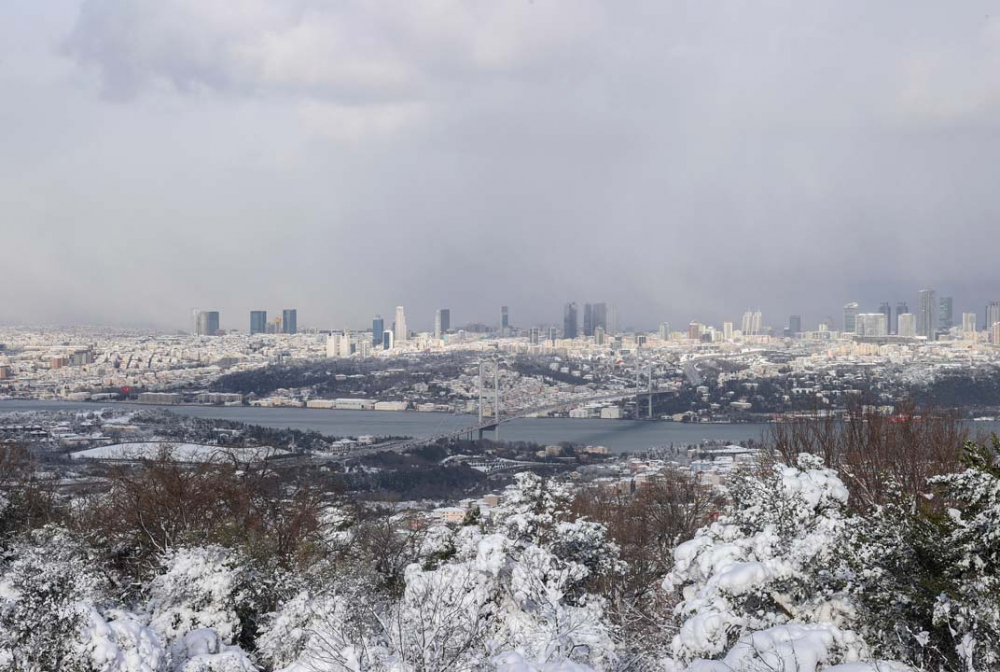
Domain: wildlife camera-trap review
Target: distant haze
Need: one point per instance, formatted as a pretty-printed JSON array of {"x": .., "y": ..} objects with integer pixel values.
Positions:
[{"x": 686, "y": 160}]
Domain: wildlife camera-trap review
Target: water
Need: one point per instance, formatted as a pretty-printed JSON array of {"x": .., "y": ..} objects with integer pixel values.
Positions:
[{"x": 618, "y": 435}]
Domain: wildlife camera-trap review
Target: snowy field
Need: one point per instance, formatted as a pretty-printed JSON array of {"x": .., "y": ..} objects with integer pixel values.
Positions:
[{"x": 182, "y": 452}]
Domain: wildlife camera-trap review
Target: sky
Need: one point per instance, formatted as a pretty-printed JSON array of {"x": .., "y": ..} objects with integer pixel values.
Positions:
[{"x": 684, "y": 160}]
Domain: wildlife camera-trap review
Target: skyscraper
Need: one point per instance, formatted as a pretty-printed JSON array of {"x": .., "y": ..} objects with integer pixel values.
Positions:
[
  {"x": 886, "y": 309},
  {"x": 927, "y": 319},
  {"x": 946, "y": 315},
  {"x": 906, "y": 325},
  {"x": 571, "y": 321},
  {"x": 612, "y": 325},
  {"x": 851, "y": 317},
  {"x": 290, "y": 321},
  {"x": 601, "y": 316},
  {"x": 504, "y": 320},
  {"x": 598, "y": 335},
  {"x": 901, "y": 308},
  {"x": 387, "y": 340},
  {"x": 258, "y": 321},
  {"x": 445, "y": 320},
  {"x": 727, "y": 331},
  {"x": 588, "y": 319},
  {"x": 664, "y": 331},
  {"x": 401, "y": 332},
  {"x": 969, "y": 323},
  {"x": 378, "y": 328},
  {"x": 751, "y": 325},
  {"x": 533, "y": 336},
  {"x": 208, "y": 323},
  {"x": 992, "y": 314},
  {"x": 795, "y": 324}
]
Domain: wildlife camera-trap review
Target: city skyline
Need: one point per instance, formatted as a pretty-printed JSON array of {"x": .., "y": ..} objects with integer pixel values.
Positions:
[{"x": 928, "y": 316}]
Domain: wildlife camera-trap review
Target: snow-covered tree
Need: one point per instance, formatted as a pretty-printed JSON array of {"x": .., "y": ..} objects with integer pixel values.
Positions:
[{"x": 760, "y": 565}]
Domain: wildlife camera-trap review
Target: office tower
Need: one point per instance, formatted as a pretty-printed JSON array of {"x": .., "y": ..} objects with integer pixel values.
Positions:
[
  {"x": 601, "y": 316},
  {"x": 208, "y": 323},
  {"x": 969, "y": 323},
  {"x": 886, "y": 309},
  {"x": 400, "y": 326},
  {"x": 902, "y": 307},
  {"x": 598, "y": 335},
  {"x": 437, "y": 324},
  {"x": 533, "y": 336},
  {"x": 387, "y": 339},
  {"x": 946, "y": 315},
  {"x": 378, "y": 328},
  {"x": 570, "y": 321},
  {"x": 258, "y": 321},
  {"x": 992, "y": 314},
  {"x": 851, "y": 317},
  {"x": 795, "y": 324},
  {"x": 871, "y": 325},
  {"x": 588, "y": 319},
  {"x": 694, "y": 331},
  {"x": 445, "y": 320},
  {"x": 996, "y": 333},
  {"x": 906, "y": 325},
  {"x": 553, "y": 334},
  {"x": 727, "y": 331},
  {"x": 927, "y": 319},
  {"x": 195, "y": 312},
  {"x": 611, "y": 323},
  {"x": 290, "y": 321},
  {"x": 664, "y": 331},
  {"x": 504, "y": 320}
]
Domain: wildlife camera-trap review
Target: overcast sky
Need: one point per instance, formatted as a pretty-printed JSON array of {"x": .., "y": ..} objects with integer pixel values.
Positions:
[{"x": 686, "y": 160}]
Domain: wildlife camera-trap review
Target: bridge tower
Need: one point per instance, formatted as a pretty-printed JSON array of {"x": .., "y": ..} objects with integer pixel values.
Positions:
[{"x": 484, "y": 425}]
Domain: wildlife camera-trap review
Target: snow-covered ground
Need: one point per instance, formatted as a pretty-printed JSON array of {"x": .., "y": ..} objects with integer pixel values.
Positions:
[{"x": 182, "y": 452}]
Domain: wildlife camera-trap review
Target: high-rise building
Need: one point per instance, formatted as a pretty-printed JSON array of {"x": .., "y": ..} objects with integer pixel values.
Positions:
[
  {"x": 640, "y": 340},
  {"x": 927, "y": 319},
  {"x": 996, "y": 333},
  {"x": 901, "y": 308},
  {"x": 401, "y": 334},
  {"x": 437, "y": 324},
  {"x": 445, "y": 320},
  {"x": 871, "y": 325},
  {"x": 290, "y": 321},
  {"x": 694, "y": 331},
  {"x": 387, "y": 339},
  {"x": 851, "y": 317},
  {"x": 553, "y": 335},
  {"x": 533, "y": 336},
  {"x": 751, "y": 323},
  {"x": 727, "y": 331},
  {"x": 969, "y": 323},
  {"x": 339, "y": 345},
  {"x": 664, "y": 331},
  {"x": 378, "y": 327},
  {"x": 906, "y": 325},
  {"x": 601, "y": 316},
  {"x": 588, "y": 319},
  {"x": 504, "y": 320},
  {"x": 946, "y": 315},
  {"x": 258, "y": 321},
  {"x": 992, "y": 314},
  {"x": 570, "y": 320},
  {"x": 208, "y": 323},
  {"x": 795, "y": 324},
  {"x": 886, "y": 309},
  {"x": 599, "y": 337},
  {"x": 612, "y": 325}
]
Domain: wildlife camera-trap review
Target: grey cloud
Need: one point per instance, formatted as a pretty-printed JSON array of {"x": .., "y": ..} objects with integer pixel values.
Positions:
[{"x": 685, "y": 159}]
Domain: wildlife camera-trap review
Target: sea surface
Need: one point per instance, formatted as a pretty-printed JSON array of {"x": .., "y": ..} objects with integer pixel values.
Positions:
[{"x": 618, "y": 435}]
